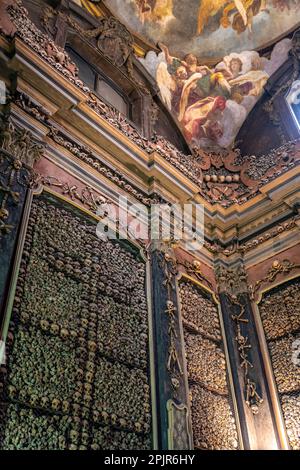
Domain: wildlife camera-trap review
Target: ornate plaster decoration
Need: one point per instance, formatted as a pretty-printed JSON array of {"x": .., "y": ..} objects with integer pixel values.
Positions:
[
  {"x": 81, "y": 152},
  {"x": 278, "y": 267},
  {"x": 112, "y": 39},
  {"x": 21, "y": 144},
  {"x": 231, "y": 281},
  {"x": 281, "y": 228},
  {"x": 86, "y": 155},
  {"x": 11, "y": 172},
  {"x": 194, "y": 269}
]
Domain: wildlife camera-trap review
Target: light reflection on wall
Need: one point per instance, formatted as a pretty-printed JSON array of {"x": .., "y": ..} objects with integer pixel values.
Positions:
[{"x": 293, "y": 100}]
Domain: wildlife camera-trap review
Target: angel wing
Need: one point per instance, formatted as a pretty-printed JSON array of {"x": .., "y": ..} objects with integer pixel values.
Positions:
[
  {"x": 242, "y": 11},
  {"x": 258, "y": 79},
  {"x": 166, "y": 84},
  {"x": 185, "y": 93}
]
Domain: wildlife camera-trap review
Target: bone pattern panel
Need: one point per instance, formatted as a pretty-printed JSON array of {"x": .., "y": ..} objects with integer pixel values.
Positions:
[
  {"x": 280, "y": 314},
  {"x": 213, "y": 421},
  {"x": 78, "y": 341}
]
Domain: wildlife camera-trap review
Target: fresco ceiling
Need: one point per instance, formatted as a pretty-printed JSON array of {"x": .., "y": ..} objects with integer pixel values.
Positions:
[
  {"x": 206, "y": 63},
  {"x": 210, "y": 29}
]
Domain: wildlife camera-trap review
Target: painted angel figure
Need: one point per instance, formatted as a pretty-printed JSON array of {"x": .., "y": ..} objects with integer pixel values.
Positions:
[
  {"x": 243, "y": 10},
  {"x": 171, "y": 77},
  {"x": 156, "y": 11}
]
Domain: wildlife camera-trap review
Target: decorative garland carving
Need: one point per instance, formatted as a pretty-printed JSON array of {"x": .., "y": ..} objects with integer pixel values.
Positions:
[
  {"x": 86, "y": 155},
  {"x": 230, "y": 178},
  {"x": 82, "y": 152},
  {"x": 43, "y": 44},
  {"x": 86, "y": 196},
  {"x": 31, "y": 107},
  {"x": 194, "y": 269},
  {"x": 278, "y": 267}
]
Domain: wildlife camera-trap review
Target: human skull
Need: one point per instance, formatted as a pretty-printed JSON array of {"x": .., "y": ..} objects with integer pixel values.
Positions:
[
  {"x": 4, "y": 214},
  {"x": 17, "y": 164},
  {"x": 196, "y": 264},
  {"x": 55, "y": 404},
  {"x": 105, "y": 416},
  {"x": 45, "y": 402},
  {"x": 74, "y": 435},
  {"x": 33, "y": 400},
  {"x": 54, "y": 329},
  {"x": 138, "y": 426},
  {"x": 65, "y": 406},
  {"x": 64, "y": 333},
  {"x": 44, "y": 325},
  {"x": 114, "y": 419}
]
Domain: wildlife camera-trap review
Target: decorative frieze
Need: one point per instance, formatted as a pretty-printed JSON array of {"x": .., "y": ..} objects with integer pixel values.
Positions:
[{"x": 86, "y": 196}]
